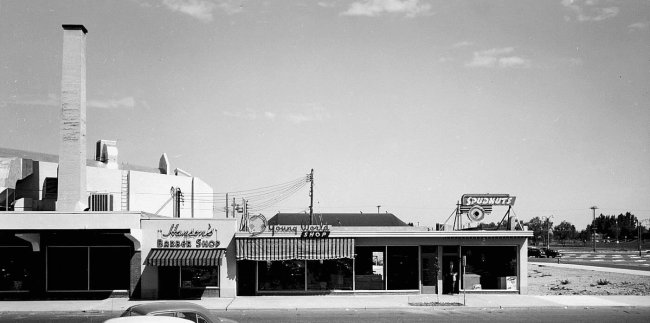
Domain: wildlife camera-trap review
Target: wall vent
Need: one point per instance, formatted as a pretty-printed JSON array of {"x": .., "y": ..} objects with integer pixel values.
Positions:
[{"x": 100, "y": 202}]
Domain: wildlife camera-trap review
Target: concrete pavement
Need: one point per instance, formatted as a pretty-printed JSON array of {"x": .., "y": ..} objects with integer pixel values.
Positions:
[
  {"x": 342, "y": 302},
  {"x": 387, "y": 301},
  {"x": 594, "y": 268}
]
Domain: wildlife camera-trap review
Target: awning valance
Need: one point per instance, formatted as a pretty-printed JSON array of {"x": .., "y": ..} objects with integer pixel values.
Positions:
[
  {"x": 294, "y": 248},
  {"x": 184, "y": 257}
]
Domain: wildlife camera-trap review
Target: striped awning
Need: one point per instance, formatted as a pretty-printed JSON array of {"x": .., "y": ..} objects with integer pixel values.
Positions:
[
  {"x": 294, "y": 248},
  {"x": 184, "y": 257}
]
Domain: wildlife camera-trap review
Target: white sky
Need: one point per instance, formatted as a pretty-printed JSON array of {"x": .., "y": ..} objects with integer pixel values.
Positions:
[{"x": 403, "y": 104}]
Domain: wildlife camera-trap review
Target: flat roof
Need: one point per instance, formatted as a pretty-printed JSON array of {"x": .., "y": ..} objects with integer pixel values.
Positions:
[{"x": 397, "y": 232}]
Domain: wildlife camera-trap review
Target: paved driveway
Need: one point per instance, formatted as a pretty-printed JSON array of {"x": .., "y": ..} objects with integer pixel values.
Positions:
[{"x": 617, "y": 260}]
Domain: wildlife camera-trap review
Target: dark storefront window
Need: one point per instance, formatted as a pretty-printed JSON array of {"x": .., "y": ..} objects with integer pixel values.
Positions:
[
  {"x": 370, "y": 271},
  {"x": 490, "y": 267},
  {"x": 15, "y": 274},
  {"x": 283, "y": 275},
  {"x": 402, "y": 268},
  {"x": 196, "y": 277},
  {"x": 109, "y": 268},
  {"x": 67, "y": 268},
  {"x": 88, "y": 268},
  {"x": 329, "y": 274}
]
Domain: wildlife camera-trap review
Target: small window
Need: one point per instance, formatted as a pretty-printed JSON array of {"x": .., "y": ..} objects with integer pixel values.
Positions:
[
  {"x": 172, "y": 314},
  {"x": 190, "y": 316}
]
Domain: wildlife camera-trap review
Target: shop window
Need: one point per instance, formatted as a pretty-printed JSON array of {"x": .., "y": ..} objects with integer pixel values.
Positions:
[
  {"x": 369, "y": 268},
  {"x": 329, "y": 274},
  {"x": 281, "y": 275},
  {"x": 109, "y": 268},
  {"x": 198, "y": 277},
  {"x": 88, "y": 268},
  {"x": 490, "y": 268},
  {"x": 15, "y": 268},
  {"x": 402, "y": 267},
  {"x": 67, "y": 268}
]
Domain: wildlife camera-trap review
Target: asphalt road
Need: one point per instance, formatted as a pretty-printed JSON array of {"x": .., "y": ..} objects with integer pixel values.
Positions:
[
  {"x": 424, "y": 314},
  {"x": 612, "y": 260}
]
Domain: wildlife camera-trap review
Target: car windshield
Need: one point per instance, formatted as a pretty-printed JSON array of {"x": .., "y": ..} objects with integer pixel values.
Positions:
[{"x": 128, "y": 312}]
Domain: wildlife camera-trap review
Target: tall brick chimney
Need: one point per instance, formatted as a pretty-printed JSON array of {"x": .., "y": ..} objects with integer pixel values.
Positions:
[{"x": 72, "y": 195}]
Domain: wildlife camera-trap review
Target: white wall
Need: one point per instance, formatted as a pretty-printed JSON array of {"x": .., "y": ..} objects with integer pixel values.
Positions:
[
  {"x": 148, "y": 192},
  {"x": 104, "y": 180},
  {"x": 203, "y": 199}
]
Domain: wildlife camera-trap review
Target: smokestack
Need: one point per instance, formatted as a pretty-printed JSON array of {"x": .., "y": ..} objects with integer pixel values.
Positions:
[{"x": 72, "y": 193}]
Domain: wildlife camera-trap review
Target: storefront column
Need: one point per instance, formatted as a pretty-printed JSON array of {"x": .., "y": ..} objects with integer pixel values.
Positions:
[
  {"x": 135, "y": 274},
  {"x": 522, "y": 269},
  {"x": 439, "y": 285}
]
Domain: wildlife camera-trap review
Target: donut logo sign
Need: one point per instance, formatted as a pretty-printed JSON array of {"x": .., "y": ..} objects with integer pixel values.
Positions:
[{"x": 476, "y": 206}]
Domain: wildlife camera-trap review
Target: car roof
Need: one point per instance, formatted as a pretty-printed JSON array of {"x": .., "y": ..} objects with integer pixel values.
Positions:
[
  {"x": 146, "y": 319},
  {"x": 151, "y": 307}
]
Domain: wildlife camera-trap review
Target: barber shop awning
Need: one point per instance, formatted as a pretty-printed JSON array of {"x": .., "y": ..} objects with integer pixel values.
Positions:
[
  {"x": 184, "y": 257},
  {"x": 294, "y": 248}
]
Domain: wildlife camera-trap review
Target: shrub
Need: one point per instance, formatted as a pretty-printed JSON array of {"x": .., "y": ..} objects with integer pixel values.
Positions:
[
  {"x": 602, "y": 282},
  {"x": 564, "y": 282}
]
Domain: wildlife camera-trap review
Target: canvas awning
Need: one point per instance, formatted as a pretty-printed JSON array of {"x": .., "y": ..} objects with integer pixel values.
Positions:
[
  {"x": 184, "y": 257},
  {"x": 294, "y": 248}
]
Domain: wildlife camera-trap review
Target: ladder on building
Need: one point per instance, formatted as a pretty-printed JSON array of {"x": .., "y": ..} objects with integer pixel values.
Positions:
[{"x": 125, "y": 191}]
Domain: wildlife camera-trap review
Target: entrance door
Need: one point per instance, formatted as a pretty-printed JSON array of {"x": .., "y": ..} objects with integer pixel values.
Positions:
[
  {"x": 429, "y": 269},
  {"x": 168, "y": 282},
  {"x": 450, "y": 269},
  {"x": 246, "y": 277}
]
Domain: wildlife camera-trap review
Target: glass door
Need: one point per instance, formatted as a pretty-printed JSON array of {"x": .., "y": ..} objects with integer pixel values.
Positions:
[{"x": 429, "y": 269}]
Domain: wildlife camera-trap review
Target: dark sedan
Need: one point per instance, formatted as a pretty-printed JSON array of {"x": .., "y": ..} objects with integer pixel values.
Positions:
[
  {"x": 535, "y": 252},
  {"x": 185, "y": 310},
  {"x": 551, "y": 253}
]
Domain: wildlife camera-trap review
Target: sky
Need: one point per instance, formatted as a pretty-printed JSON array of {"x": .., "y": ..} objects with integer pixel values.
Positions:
[{"x": 404, "y": 104}]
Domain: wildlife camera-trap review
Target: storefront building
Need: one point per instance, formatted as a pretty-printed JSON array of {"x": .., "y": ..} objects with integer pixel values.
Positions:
[
  {"x": 372, "y": 258},
  {"x": 99, "y": 255},
  {"x": 188, "y": 258}
]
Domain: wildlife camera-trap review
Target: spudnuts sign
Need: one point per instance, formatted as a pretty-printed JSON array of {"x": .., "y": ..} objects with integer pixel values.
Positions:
[
  {"x": 488, "y": 199},
  {"x": 178, "y": 237}
]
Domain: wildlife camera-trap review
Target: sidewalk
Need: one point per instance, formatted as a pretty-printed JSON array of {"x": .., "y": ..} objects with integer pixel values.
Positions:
[{"x": 398, "y": 302}]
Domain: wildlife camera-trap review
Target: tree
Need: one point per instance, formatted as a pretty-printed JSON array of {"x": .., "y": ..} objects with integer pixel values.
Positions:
[
  {"x": 564, "y": 231},
  {"x": 585, "y": 235},
  {"x": 623, "y": 225},
  {"x": 538, "y": 227}
]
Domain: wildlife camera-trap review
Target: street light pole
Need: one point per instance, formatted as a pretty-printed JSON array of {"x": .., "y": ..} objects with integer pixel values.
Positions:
[{"x": 593, "y": 226}]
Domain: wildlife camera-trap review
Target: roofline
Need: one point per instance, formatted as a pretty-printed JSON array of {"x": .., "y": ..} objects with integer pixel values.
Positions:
[{"x": 401, "y": 234}]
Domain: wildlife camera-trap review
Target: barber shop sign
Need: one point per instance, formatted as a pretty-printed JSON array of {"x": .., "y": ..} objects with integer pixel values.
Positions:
[{"x": 178, "y": 237}]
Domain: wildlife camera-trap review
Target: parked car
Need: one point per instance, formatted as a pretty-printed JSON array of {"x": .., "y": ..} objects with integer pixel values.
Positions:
[
  {"x": 146, "y": 319},
  {"x": 535, "y": 252},
  {"x": 551, "y": 252},
  {"x": 185, "y": 310}
]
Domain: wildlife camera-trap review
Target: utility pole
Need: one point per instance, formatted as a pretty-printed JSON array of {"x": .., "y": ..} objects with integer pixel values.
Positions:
[
  {"x": 593, "y": 225},
  {"x": 226, "y": 205},
  {"x": 638, "y": 227},
  {"x": 311, "y": 197}
]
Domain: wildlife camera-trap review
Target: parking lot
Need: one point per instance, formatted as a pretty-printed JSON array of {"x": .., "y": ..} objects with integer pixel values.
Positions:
[{"x": 625, "y": 260}]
